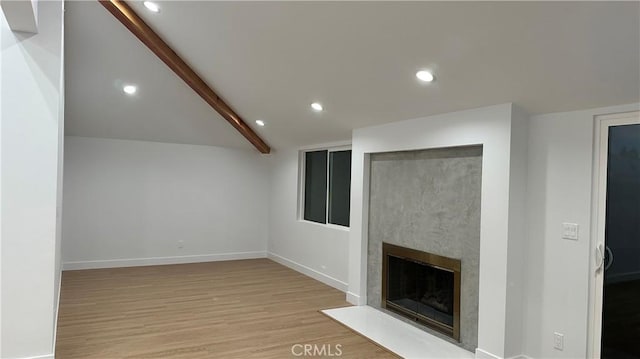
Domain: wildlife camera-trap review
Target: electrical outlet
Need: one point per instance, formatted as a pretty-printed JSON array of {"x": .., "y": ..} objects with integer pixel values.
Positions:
[
  {"x": 558, "y": 341},
  {"x": 180, "y": 244}
]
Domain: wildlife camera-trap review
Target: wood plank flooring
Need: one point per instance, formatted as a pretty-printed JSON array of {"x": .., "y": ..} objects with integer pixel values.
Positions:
[{"x": 236, "y": 309}]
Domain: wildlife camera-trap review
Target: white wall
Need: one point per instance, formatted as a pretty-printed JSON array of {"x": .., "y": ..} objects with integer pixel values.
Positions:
[
  {"x": 517, "y": 233},
  {"x": 489, "y": 126},
  {"x": 58, "y": 248},
  {"x": 130, "y": 202},
  {"x": 317, "y": 250},
  {"x": 31, "y": 118},
  {"x": 554, "y": 170},
  {"x": 2, "y": 20},
  {"x": 560, "y": 164},
  {"x": 556, "y": 173}
]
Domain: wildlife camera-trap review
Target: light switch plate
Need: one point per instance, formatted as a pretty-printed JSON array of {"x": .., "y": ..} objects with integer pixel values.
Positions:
[{"x": 570, "y": 231}]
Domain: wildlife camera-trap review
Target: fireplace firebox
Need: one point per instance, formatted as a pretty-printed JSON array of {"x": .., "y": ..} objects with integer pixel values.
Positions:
[{"x": 423, "y": 287}]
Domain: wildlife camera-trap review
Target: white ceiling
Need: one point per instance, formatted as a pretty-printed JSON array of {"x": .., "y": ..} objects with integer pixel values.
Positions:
[
  {"x": 270, "y": 60},
  {"x": 100, "y": 56}
]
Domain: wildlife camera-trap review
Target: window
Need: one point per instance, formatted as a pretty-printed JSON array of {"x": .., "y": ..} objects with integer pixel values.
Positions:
[{"x": 327, "y": 186}]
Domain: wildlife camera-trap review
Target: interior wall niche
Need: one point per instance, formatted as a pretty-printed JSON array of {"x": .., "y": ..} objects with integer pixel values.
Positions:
[{"x": 429, "y": 200}]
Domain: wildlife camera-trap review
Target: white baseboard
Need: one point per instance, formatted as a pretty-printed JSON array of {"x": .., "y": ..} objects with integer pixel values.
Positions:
[
  {"x": 55, "y": 330},
  {"x": 137, "y": 262},
  {"x": 355, "y": 299},
  {"x": 482, "y": 354},
  {"x": 330, "y": 281},
  {"x": 46, "y": 356}
]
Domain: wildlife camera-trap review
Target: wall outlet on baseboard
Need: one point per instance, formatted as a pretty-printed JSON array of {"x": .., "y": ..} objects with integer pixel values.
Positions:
[
  {"x": 558, "y": 341},
  {"x": 180, "y": 244}
]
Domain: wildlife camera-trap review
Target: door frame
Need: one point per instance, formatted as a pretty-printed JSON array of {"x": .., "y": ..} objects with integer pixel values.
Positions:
[{"x": 599, "y": 192}]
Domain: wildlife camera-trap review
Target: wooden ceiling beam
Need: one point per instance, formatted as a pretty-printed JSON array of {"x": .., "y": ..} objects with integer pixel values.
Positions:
[{"x": 125, "y": 14}]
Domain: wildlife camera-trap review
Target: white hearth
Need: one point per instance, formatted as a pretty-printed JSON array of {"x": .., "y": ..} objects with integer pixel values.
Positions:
[{"x": 395, "y": 335}]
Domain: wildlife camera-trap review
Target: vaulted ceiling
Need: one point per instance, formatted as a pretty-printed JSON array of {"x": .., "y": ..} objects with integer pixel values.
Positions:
[{"x": 271, "y": 60}]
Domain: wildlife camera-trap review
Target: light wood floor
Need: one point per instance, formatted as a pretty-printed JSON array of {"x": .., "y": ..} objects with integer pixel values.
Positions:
[{"x": 237, "y": 309}]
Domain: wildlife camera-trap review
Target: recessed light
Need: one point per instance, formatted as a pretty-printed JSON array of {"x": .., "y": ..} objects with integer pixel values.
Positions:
[
  {"x": 129, "y": 89},
  {"x": 151, "y": 6},
  {"x": 424, "y": 75},
  {"x": 316, "y": 106},
  {"x": 259, "y": 122}
]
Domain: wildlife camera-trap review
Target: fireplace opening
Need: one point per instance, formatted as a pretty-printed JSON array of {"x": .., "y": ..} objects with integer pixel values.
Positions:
[{"x": 423, "y": 287}]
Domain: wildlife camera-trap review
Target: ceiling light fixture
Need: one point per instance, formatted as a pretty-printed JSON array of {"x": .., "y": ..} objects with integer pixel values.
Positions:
[
  {"x": 424, "y": 75},
  {"x": 129, "y": 89},
  {"x": 316, "y": 107},
  {"x": 260, "y": 123},
  {"x": 153, "y": 7}
]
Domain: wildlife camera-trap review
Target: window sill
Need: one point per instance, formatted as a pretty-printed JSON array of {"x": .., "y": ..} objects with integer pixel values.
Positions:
[{"x": 327, "y": 225}]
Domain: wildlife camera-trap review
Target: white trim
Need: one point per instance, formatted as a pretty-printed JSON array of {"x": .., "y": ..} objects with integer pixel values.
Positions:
[
  {"x": 483, "y": 354},
  {"x": 55, "y": 320},
  {"x": 335, "y": 147},
  {"x": 338, "y": 148},
  {"x": 326, "y": 225},
  {"x": 45, "y": 356},
  {"x": 301, "y": 185},
  {"x": 137, "y": 262},
  {"x": 338, "y": 227},
  {"x": 324, "y": 146},
  {"x": 598, "y": 213},
  {"x": 626, "y": 117},
  {"x": 319, "y": 276},
  {"x": 354, "y": 299}
]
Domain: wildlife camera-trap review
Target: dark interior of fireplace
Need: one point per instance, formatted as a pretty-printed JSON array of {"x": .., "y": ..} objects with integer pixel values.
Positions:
[
  {"x": 420, "y": 288},
  {"x": 423, "y": 287}
]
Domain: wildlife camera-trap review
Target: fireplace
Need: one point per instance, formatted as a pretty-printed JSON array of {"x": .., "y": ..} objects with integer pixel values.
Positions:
[{"x": 423, "y": 287}]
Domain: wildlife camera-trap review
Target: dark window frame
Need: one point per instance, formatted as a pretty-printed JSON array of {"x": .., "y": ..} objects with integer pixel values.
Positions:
[{"x": 302, "y": 186}]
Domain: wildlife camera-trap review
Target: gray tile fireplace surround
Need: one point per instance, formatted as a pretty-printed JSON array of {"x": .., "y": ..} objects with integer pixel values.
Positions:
[{"x": 429, "y": 200}]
